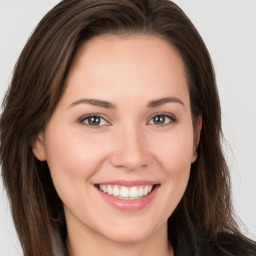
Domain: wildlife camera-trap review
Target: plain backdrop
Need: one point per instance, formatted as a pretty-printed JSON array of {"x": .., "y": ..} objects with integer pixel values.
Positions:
[{"x": 228, "y": 28}]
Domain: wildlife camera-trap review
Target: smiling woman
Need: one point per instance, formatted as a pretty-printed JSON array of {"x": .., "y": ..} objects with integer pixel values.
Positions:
[
  {"x": 110, "y": 136},
  {"x": 138, "y": 177}
]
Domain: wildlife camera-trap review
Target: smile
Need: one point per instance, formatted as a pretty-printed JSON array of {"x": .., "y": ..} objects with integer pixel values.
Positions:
[{"x": 126, "y": 193}]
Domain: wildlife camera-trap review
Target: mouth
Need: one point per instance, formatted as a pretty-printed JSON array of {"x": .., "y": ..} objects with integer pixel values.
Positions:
[{"x": 127, "y": 192}]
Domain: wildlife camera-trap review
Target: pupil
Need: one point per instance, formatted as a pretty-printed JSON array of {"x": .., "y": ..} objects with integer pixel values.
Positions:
[
  {"x": 94, "y": 120},
  {"x": 159, "y": 120}
]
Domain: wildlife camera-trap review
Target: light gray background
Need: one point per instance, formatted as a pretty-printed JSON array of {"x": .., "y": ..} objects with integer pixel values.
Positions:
[{"x": 229, "y": 30}]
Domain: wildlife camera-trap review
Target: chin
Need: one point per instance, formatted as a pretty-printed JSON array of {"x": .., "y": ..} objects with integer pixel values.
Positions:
[
  {"x": 132, "y": 232},
  {"x": 129, "y": 237}
]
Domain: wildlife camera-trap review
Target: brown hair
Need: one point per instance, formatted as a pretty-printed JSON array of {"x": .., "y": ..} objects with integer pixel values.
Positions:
[{"x": 205, "y": 211}]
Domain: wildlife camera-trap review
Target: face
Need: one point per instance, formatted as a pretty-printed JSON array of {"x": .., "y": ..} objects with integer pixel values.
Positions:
[{"x": 121, "y": 141}]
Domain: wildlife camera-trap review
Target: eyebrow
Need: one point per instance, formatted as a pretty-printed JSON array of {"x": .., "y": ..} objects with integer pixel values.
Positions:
[
  {"x": 161, "y": 102},
  {"x": 108, "y": 105},
  {"x": 94, "y": 102}
]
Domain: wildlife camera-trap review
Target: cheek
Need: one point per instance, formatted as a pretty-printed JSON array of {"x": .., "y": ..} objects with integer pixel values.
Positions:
[
  {"x": 172, "y": 152},
  {"x": 175, "y": 151},
  {"x": 174, "y": 155},
  {"x": 72, "y": 160},
  {"x": 73, "y": 154}
]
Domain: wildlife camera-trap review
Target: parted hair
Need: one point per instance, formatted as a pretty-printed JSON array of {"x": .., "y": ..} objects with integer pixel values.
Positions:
[{"x": 204, "y": 217}]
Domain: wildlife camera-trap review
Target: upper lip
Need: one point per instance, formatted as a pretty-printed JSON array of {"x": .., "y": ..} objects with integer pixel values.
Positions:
[{"x": 128, "y": 183}]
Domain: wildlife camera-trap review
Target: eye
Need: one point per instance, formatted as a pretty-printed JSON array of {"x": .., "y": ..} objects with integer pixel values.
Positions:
[
  {"x": 93, "y": 120},
  {"x": 162, "y": 119}
]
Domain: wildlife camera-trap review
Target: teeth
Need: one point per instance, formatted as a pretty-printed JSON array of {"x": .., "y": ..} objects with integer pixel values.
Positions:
[
  {"x": 141, "y": 191},
  {"x": 116, "y": 191},
  {"x": 126, "y": 193},
  {"x": 146, "y": 190},
  {"x": 103, "y": 188},
  {"x": 110, "y": 191},
  {"x": 134, "y": 192}
]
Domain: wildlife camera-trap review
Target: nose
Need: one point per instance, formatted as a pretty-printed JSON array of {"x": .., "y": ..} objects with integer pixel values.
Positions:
[{"x": 130, "y": 150}]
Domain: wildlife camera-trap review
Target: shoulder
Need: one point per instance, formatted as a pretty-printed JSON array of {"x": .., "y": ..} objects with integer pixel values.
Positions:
[
  {"x": 236, "y": 246},
  {"x": 225, "y": 245}
]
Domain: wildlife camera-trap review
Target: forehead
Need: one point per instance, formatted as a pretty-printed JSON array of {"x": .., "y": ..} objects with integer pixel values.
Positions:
[{"x": 110, "y": 65}]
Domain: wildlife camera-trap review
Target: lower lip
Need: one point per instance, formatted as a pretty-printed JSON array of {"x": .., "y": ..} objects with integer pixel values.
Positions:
[{"x": 135, "y": 204}]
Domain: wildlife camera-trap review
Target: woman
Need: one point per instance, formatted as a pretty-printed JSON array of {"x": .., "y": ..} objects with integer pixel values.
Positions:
[{"x": 113, "y": 120}]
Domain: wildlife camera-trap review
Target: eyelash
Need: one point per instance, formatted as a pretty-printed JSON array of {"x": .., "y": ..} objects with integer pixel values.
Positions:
[
  {"x": 173, "y": 119},
  {"x": 82, "y": 120},
  {"x": 87, "y": 117}
]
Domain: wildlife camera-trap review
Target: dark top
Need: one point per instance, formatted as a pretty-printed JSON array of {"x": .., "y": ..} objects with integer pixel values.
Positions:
[{"x": 228, "y": 245}]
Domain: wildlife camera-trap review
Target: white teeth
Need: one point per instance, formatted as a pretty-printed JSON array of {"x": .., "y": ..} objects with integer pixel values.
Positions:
[
  {"x": 103, "y": 188},
  {"x": 145, "y": 190},
  {"x": 115, "y": 191},
  {"x": 141, "y": 191},
  {"x": 110, "y": 192},
  {"x": 126, "y": 193},
  {"x": 133, "y": 192}
]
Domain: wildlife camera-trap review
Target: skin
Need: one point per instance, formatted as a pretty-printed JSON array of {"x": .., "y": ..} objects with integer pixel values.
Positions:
[{"x": 127, "y": 144}]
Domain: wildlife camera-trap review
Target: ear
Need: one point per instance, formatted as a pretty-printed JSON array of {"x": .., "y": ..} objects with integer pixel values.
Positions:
[
  {"x": 39, "y": 147},
  {"x": 197, "y": 136}
]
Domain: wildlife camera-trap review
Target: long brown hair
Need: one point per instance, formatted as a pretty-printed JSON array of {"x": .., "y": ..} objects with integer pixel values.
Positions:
[{"x": 205, "y": 211}]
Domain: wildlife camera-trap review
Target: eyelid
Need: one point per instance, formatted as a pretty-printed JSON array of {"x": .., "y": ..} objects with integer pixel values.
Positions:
[
  {"x": 173, "y": 118},
  {"x": 83, "y": 118}
]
